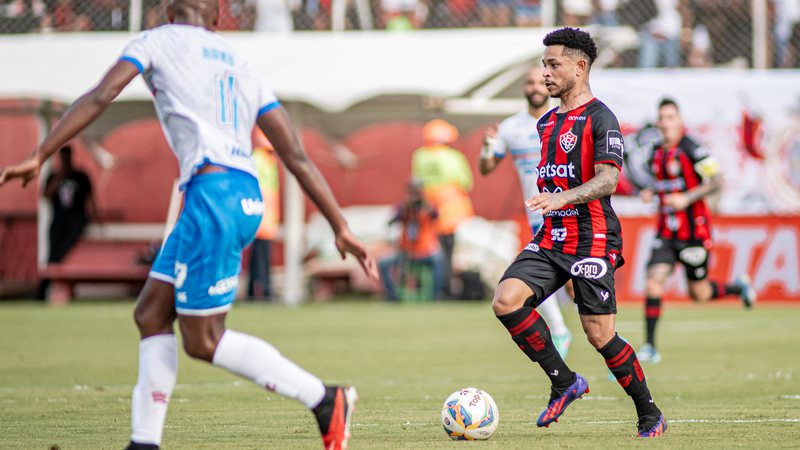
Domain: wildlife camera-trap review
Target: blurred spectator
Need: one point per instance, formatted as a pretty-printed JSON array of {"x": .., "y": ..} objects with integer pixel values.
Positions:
[
  {"x": 787, "y": 32},
  {"x": 576, "y": 13},
  {"x": 447, "y": 178},
  {"x": 605, "y": 13},
  {"x": 69, "y": 191},
  {"x": 661, "y": 37},
  {"x": 700, "y": 48},
  {"x": 418, "y": 245},
  {"x": 528, "y": 13},
  {"x": 730, "y": 29},
  {"x": 495, "y": 13},
  {"x": 274, "y": 15},
  {"x": 398, "y": 15},
  {"x": 258, "y": 286}
]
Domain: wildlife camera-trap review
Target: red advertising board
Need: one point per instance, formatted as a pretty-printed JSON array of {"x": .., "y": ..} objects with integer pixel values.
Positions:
[{"x": 767, "y": 248}]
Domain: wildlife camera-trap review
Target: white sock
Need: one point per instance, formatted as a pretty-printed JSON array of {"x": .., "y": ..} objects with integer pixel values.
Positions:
[
  {"x": 158, "y": 370},
  {"x": 261, "y": 363},
  {"x": 552, "y": 315}
]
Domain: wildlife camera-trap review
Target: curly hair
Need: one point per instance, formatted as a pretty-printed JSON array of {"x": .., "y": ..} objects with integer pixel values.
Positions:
[{"x": 574, "y": 40}]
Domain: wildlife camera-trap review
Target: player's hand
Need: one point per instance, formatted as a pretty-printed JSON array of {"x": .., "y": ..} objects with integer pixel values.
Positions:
[
  {"x": 347, "y": 243},
  {"x": 545, "y": 202},
  {"x": 677, "y": 201},
  {"x": 489, "y": 141},
  {"x": 491, "y": 132},
  {"x": 646, "y": 195},
  {"x": 26, "y": 170}
]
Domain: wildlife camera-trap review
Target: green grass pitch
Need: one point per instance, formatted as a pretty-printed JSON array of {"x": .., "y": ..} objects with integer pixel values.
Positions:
[{"x": 729, "y": 378}]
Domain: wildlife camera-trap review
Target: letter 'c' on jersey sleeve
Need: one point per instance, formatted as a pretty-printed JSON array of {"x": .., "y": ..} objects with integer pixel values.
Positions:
[{"x": 608, "y": 142}]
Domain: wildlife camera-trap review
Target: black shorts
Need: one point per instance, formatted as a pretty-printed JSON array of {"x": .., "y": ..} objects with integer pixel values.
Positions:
[
  {"x": 693, "y": 255},
  {"x": 545, "y": 271}
]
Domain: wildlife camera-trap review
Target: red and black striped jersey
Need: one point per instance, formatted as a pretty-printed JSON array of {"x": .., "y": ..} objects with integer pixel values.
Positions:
[
  {"x": 678, "y": 169},
  {"x": 572, "y": 143}
]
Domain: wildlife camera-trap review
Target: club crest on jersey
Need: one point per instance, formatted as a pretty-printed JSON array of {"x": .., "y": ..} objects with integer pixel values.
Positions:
[
  {"x": 673, "y": 168},
  {"x": 568, "y": 141}
]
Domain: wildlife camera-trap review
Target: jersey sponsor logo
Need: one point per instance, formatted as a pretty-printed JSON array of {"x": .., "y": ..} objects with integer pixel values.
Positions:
[
  {"x": 589, "y": 268},
  {"x": 224, "y": 286},
  {"x": 577, "y": 118},
  {"x": 252, "y": 207},
  {"x": 614, "y": 143},
  {"x": 555, "y": 191},
  {"x": 693, "y": 256},
  {"x": 568, "y": 141},
  {"x": 557, "y": 170},
  {"x": 571, "y": 212},
  {"x": 531, "y": 247}
]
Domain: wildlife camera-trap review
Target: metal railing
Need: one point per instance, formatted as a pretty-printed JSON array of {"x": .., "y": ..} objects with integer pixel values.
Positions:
[{"x": 671, "y": 33}]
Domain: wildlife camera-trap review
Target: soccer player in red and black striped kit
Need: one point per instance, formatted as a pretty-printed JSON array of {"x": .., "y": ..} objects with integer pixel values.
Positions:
[
  {"x": 581, "y": 158},
  {"x": 685, "y": 174}
]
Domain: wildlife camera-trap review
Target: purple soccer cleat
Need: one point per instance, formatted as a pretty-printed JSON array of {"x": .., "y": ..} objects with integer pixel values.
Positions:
[{"x": 559, "y": 404}]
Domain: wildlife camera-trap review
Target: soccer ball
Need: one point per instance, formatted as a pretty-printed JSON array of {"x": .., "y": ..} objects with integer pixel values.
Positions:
[{"x": 470, "y": 414}]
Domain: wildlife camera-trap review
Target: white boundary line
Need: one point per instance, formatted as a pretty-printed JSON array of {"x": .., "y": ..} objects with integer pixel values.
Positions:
[{"x": 669, "y": 421}]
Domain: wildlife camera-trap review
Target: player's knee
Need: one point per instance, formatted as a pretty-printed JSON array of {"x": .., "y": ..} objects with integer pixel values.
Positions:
[
  {"x": 598, "y": 337},
  {"x": 507, "y": 301},
  {"x": 199, "y": 348},
  {"x": 654, "y": 288},
  {"x": 150, "y": 321}
]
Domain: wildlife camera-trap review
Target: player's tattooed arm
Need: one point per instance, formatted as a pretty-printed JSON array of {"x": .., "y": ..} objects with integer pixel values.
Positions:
[
  {"x": 603, "y": 184},
  {"x": 681, "y": 200}
]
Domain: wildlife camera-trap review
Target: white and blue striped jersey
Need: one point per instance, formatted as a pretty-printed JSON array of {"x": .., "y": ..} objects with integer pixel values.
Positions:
[
  {"x": 206, "y": 95},
  {"x": 519, "y": 137}
]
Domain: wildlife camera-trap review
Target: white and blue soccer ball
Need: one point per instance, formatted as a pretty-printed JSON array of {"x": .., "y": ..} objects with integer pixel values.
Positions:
[{"x": 470, "y": 414}]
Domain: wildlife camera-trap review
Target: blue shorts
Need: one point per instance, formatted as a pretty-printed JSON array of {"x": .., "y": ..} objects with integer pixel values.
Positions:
[{"x": 202, "y": 255}]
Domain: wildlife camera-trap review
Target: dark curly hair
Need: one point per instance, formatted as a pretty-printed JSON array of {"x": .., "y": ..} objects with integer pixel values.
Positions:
[{"x": 574, "y": 40}]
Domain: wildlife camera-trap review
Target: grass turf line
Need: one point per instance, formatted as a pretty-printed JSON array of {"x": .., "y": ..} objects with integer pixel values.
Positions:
[{"x": 729, "y": 378}]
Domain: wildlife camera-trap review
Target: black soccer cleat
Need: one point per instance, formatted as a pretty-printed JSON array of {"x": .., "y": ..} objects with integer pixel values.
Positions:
[{"x": 333, "y": 416}]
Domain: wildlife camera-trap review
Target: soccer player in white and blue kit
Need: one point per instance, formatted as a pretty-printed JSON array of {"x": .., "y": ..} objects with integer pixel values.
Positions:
[
  {"x": 208, "y": 99},
  {"x": 517, "y": 137}
]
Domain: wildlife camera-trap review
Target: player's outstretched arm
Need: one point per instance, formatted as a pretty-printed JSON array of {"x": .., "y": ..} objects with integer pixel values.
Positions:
[
  {"x": 277, "y": 126},
  {"x": 75, "y": 119},
  {"x": 603, "y": 184}
]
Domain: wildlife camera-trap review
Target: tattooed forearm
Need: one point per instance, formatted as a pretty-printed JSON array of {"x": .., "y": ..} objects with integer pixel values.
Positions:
[
  {"x": 705, "y": 189},
  {"x": 603, "y": 184}
]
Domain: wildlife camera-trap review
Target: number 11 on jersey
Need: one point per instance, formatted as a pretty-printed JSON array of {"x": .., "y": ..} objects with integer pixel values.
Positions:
[{"x": 227, "y": 102}]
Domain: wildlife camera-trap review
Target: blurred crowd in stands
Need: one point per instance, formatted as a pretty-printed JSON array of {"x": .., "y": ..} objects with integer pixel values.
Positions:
[{"x": 673, "y": 33}]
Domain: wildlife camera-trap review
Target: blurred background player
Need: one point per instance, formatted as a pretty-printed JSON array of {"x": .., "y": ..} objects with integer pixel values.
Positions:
[
  {"x": 685, "y": 174},
  {"x": 208, "y": 99},
  {"x": 447, "y": 179},
  {"x": 419, "y": 245},
  {"x": 581, "y": 240},
  {"x": 266, "y": 161},
  {"x": 517, "y": 135},
  {"x": 69, "y": 191}
]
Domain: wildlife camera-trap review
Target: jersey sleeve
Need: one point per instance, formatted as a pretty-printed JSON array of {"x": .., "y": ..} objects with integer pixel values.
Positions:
[
  {"x": 140, "y": 51},
  {"x": 267, "y": 101},
  {"x": 704, "y": 164},
  {"x": 608, "y": 142}
]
